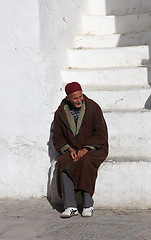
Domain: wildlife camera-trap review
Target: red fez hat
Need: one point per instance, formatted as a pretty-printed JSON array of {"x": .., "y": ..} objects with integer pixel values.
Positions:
[{"x": 72, "y": 87}]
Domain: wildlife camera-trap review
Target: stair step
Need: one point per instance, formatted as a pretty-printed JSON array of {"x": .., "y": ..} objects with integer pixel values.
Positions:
[
  {"x": 128, "y": 179},
  {"x": 115, "y": 57},
  {"x": 118, "y": 7},
  {"x": 121, "y": 99},
  {"x": 109, "y": 77},
  {"x": 108, "y": 25},
  {"x": 124, "y": 177},
  {"x": 129, "y": 133},
  {"x": 116, "y": 40}
]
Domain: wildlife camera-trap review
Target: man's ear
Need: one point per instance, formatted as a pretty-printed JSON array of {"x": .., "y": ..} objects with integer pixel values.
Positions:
[{"x": 67, "y": 97}]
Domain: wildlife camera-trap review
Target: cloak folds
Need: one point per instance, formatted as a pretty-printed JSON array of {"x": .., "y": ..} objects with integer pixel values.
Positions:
[{"x": 92, "y": 131}]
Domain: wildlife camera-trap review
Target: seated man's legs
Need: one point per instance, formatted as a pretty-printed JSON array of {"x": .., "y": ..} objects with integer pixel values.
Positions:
[
  {"x": 68, "y": 193},
  {"x": 87, "y": 205},
  {"x": 87, "y": 200}
]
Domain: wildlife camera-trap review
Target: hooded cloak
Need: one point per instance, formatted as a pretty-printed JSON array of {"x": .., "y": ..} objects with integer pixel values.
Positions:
[{"x": 91, "y": 132}]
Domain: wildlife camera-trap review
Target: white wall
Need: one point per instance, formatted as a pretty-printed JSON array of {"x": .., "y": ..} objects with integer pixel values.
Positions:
[{"x": 33, "y": 40}]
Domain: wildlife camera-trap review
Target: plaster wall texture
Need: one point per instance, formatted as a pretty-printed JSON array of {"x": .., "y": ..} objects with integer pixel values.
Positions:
[
  {"x": 34, "y": 37},
  {"x": 33, "y": 40}
]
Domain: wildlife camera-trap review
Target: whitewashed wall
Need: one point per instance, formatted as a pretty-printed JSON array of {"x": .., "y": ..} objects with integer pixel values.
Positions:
[{"x": 34, "y": 37}]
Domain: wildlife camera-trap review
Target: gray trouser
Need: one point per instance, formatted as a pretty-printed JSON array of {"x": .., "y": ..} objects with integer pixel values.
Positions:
[{"x": 68, "y": 193}]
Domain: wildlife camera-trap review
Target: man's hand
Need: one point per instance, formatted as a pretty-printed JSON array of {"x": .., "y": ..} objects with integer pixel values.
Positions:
[
  {"x": 73, "y": 154},
  {"x": 82, "y": 152},
  {"x": 77, "y": 156}
]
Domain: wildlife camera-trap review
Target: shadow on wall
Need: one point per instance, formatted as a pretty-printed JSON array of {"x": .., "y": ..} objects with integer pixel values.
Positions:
[
  {"x": 52, "y": 195},
  {"x": 125, "y": 24},
  {"x": 148, "y": 102}
]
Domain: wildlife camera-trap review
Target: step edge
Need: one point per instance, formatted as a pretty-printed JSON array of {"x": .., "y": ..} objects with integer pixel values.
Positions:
[
  {"x": 113, "y": 15},
  {"x": 125, "y": 159}
]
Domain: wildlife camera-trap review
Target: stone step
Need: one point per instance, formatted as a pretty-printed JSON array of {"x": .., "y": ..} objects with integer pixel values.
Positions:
[
  {"x": 129, "y": 178},
  {"x": 120, "y": 99},
  {"x": 108, "y": 25},
  {"x": 104, "y": 58},
  {"x": 129, "y": 133},
  {"x": 109, "y": 77},
  {"x": 115, "y": 40},
  {"x": 118, "y": 7}
]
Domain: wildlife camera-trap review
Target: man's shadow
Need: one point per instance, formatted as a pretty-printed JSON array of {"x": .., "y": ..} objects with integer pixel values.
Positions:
[{"x": 52, "y": 195}]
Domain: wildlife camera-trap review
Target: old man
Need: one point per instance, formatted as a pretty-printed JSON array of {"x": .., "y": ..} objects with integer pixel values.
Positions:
[{"x": 80, "y": 136}]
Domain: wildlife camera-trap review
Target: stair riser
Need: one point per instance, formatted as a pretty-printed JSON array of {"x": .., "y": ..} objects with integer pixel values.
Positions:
[
  {"x": 123, "y": 185},
  {"x": 117, "y": 40},
  {"x": 107, "y": 25},
  {"x": 124, "y": 179},
  {"x": 118, "y": 7},
  {"x": 109, "y": 78},
  {"x": 129, "y": 133},
  {"x": 132, "y": 99},
  {"x": 117, "y": 57}
]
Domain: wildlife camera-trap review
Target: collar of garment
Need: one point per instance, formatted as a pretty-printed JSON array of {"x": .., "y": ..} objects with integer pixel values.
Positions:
[{"x": 75, "y": 128}]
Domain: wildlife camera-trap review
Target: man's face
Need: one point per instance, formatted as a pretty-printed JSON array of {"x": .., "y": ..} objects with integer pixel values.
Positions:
[{"x": 76, "y": 99}]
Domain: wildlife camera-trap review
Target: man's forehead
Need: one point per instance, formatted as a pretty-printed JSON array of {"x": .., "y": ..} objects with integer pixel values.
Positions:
[{"x": 76, "y": 94}]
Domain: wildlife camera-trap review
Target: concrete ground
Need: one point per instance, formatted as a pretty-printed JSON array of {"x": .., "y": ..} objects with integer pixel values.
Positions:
[{"x": 35, "y": 219}]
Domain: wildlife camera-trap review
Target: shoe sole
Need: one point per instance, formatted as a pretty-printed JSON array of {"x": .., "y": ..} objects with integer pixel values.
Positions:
[
  {"x": 67, "y": 216},
  {"x": 88, "y": 216}
]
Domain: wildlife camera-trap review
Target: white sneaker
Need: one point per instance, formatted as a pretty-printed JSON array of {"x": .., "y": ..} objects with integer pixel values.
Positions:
[
  {"x": 87, "y": 212},
  {"x": 69, "y": 212}
]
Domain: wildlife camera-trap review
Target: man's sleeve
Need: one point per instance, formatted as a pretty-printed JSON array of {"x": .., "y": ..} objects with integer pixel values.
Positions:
[
  {"x": 64, "y": 149},
  {"x": 100, "y": 134},
  {"x": 59, "y": 141},
  {"x": 89, "y": 147}
]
